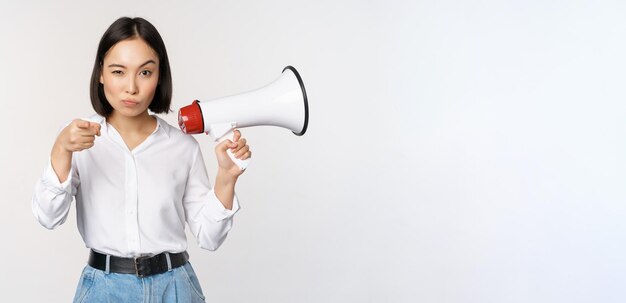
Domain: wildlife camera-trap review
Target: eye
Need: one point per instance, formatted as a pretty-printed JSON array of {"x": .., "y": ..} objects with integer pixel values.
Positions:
[
  {"x": 117, "y": 72},
  {"x": 146, "y": 73}
]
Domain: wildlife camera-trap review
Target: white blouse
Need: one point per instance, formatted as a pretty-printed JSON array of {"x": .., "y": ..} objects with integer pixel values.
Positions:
[{"x": 135, "y": 203}]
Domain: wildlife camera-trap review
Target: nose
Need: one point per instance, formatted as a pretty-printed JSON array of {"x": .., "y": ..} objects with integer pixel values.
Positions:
[{"x": 131, "y": 88}]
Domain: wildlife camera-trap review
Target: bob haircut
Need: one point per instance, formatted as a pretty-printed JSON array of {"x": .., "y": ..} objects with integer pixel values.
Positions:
[{"x": 129, "y": 28}]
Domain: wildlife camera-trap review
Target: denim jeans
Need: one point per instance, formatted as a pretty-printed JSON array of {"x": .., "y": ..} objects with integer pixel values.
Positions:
[{"x": 178, "y": 285}]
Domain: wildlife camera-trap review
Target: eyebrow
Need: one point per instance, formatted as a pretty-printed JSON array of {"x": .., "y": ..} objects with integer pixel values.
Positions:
[{"x": 122, "y": 66}]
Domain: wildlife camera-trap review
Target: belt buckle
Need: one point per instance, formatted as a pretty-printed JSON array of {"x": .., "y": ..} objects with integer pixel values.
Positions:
[{"x": 137, "y": 267}]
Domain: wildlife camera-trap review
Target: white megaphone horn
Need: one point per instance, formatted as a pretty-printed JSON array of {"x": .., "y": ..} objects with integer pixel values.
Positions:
[{"x": 281, "y": 103}]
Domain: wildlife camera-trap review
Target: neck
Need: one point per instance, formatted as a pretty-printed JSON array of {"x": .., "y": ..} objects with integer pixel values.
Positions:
[{"x": 135, "y": 124}]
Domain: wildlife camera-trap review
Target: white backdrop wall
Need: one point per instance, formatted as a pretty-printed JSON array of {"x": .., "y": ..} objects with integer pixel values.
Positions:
[{"x": 458, "y": 151}]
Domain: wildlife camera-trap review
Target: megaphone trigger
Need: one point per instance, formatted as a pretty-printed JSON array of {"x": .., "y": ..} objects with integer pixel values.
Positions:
[{"x": 221, "y": 131}]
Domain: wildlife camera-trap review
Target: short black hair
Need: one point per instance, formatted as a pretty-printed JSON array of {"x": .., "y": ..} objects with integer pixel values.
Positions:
[{"x": 128, "y": 28}]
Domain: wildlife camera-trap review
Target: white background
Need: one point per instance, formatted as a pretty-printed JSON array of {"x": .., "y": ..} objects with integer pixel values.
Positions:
[{"x": 458, "y": 151}]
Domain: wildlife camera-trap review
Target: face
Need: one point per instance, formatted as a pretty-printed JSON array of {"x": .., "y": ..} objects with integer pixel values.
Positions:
[{"x": 130, "y": 75}]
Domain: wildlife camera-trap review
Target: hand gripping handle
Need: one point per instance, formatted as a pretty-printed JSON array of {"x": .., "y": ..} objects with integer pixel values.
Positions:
[{"x": 243, "y": 164}]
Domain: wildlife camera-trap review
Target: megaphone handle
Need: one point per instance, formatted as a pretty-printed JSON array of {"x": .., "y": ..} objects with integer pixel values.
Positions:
[{"x": 243, "y": 164}]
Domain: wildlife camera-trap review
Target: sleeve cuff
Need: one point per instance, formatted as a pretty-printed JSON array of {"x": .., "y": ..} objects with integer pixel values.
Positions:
[
  {"x": 218, "y": 211},
  {"x": 52, "y": 182}
]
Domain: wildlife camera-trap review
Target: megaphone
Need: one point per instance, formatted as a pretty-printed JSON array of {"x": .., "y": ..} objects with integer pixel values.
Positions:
[{"x": 281, "y": 103}]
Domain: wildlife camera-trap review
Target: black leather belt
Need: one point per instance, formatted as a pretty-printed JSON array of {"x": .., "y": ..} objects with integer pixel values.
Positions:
[{"x": 141, "y": 266}]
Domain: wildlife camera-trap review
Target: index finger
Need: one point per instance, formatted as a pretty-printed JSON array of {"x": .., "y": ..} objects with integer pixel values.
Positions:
[
  {"x": 237, "y": 135},
  {"x": 96, "y": 126}
]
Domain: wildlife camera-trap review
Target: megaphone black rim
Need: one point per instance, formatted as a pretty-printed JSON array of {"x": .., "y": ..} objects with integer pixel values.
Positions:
[{"x": 306, "y": 102}]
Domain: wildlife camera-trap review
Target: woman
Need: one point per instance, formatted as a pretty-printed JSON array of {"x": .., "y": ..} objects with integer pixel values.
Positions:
[{"x": 136, "y": 179}]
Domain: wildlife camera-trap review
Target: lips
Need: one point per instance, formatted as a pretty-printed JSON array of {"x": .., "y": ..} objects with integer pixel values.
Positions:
[{"x": 128, "y": 102}]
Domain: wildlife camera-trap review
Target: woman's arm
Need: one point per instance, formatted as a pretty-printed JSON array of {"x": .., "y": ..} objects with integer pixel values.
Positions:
[
  {"x": 225, "y": 188},
  {"x": 228, "y": 171},
  {"x": 209, "y": 212},
  {"x": 57, "y": 186}
]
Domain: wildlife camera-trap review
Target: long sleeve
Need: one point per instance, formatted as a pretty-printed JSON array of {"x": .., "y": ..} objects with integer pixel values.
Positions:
[
  {"x": 207, "y": 217},
  {"x": 52, "y": 199}
]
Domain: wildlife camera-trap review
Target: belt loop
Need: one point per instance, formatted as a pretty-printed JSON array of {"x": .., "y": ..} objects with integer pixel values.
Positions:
[
  {"x": 107, "y": 267},
  {"x": 169, "y": 261}
]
